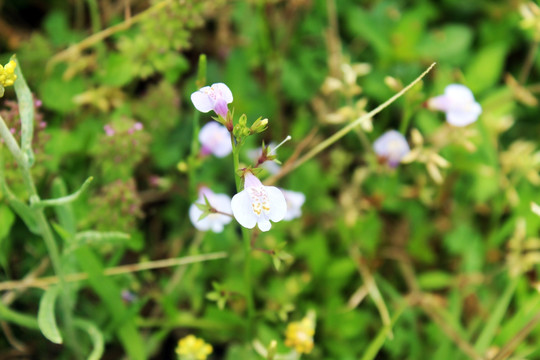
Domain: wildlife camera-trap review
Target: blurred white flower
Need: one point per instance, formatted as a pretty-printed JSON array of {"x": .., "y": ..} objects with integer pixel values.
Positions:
[
  {"x": 458, "y": 103},
  {"x": 392, "y": 147},
  {"x": 271, "y": 166},
  {"x": 294, "y": 201},
  {"x": 258, "y": 204},
  {"x": 214, "y": 97},
  {"x": 215, "y": 139},
  {"x": 215, "y": 221}
]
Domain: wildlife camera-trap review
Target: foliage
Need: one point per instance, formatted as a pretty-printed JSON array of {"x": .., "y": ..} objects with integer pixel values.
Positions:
[{"x": 436, "y": 257}]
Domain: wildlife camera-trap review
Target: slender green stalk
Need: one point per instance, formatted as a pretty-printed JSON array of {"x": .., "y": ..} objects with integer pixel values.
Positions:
[
  {"x": 345, "y": 130},
  {"x": 247, "y": 249},
  {"x": 44, "y": 229},
  {"x": 376, "y": 344}
]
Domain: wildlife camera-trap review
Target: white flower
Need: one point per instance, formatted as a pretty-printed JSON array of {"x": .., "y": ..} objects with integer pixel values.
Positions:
[
  {"x": 215, "y": 139},
  {"x": 271, "y": 166},
  {"x": 392, "y": 147},
  {"x": 214, "y": 221},
  {"x": 294, "y": 201},
  {"x": 258, "y": 204},
  {"x": 215, "y": 97},
  {"x": 459, "y": 105}
]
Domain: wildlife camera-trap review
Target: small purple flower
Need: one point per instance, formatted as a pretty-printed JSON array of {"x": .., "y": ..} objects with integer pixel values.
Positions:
[
  {"x": 459, "y": 105},
  {"x": 138, "y": 126},
  {"x": 214, "y": 221},
  {"x": 258, "y": 204},
  {"x": 215, "y": 97},
  {"x": 109, "y": 130},
  {"x": 215, "y": 139},
  {"x": 392, "y": 147}
]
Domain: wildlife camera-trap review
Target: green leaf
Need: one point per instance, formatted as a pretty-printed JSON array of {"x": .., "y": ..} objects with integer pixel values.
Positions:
[
  {"x": 6, "y": 314},
  {"x": 95, "y": 336},
  {"x": 66, "y": 199},
  {"x": 110, "y": 294},
  {"x": 64, "y": 212},
  {"x": 486, "y": 68},
  {"x": 97, "y": 238},
  {"x": 7, "y": 218},
  {"x": 26, "y": 214},
  {"x": 46, "y": 317},
  {"x": 26, "y": 111}
]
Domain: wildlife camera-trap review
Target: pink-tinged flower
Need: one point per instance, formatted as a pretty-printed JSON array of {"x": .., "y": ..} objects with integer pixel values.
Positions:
[
  {"x": 391, "y": 147},
  {"x": 294, "y": 201},
  {"x": 213, "y": 221},
  {"x": 258, "y": 204},
  {"x": 215, "y": 139},
  {"x": 215, "y": 97},
  {"x": 458, "y": 103},
  {"x": 109, "y": 130}
]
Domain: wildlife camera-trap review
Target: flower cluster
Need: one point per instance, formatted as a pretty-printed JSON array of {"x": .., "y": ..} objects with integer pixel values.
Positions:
[
  {"x": 299, "y": 335},
  {"x": 193, "y": 348},
  {"x": 7, "y": 75},
  {"x": 255, "y": 205}
]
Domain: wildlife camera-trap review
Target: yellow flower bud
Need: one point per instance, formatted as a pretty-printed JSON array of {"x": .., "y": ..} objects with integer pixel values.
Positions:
[
  {"x": 299, "y": 335},
  {"x": 192, "y": 348}
]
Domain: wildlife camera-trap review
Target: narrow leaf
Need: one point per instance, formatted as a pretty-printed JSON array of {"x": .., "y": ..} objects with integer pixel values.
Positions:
[
  {"x": 46, "y": 318},
  {"x": 25, "y": 213},
  {"x": 66, "y": 199},
  {"x": 98, "y": 238},
  {"x": 95, "y": 336},
  {"x": 64, "y": 213},
  {"x": 6, "y": 314},
  {"x": 26, "y": 111}
]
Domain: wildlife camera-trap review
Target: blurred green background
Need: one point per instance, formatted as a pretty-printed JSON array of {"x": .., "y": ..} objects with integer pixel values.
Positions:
[{"x": 453, "y": 262}]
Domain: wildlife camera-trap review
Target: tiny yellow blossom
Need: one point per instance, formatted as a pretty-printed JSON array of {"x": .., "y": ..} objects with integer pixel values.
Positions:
[
  {"x": 192, "y": 348},
  {"x": 299, "y": 335},
  {"x": 7, "y": 74}
]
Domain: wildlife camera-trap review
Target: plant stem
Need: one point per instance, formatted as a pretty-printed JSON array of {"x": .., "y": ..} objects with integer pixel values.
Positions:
[
  {"x": 247, "y": 249},
  {"x": 45, "y": 232},
  {"x": 345, "y": 130}
]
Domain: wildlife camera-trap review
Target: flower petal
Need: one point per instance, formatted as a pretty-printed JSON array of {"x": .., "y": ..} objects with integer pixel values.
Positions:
[
  {"x": 264, "y": 224},
  {"x": 459, "y": 93},
  {"x": 223, "y": 91},
  {"x": 278, "y": 205},
  {"x": 202, "y": 101},
  {"x": 194, "y": 214},
  {"x": 242, "y": 210}
]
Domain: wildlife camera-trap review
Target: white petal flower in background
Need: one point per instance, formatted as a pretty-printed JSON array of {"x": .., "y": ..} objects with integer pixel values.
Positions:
[
  {"x": 391, "y": 146},
  {"x": 215, "y": 139},
  {"x": 459, "y": 105},
  {"x": 258, "y": 204},
  {"x": 216, "y": 221},
  {"x": 294, "y": 201},
  {"x": 214, "y": 97},
  {"x": 271, "y": 166}
]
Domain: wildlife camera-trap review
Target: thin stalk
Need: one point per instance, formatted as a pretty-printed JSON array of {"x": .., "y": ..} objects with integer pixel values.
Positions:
[
  {"x": 192, "y": 174},
  {"x": 247, "y": 249},
  {"x": 118, "y": 270},
  {"x": 345, "y": 130},
  {"x": 529, "y": 61}
]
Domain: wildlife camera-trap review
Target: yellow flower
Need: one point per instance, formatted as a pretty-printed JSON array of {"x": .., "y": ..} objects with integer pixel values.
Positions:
[
  {"x": 7, "y": 76},
  {"x": 192, "y": 348},
  {"x": 299, "y": 335}
]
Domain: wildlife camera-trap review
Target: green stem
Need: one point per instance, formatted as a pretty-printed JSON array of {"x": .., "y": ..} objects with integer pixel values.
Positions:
[
  {"x": 247, "y": 249},
  {"x": 44, "y": 230},
  {"x": 192, "y": 173},
  {"x": 345, "y": 130}
]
